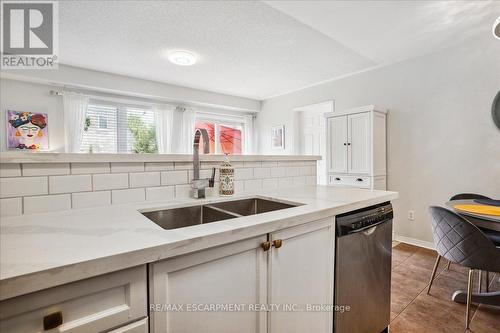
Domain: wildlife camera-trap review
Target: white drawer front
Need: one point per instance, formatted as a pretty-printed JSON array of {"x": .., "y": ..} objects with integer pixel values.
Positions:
[
  {"x": 350, "y": 181},
  {"x": 140, "y": 326},
  {"x": 87, "y": 306}
]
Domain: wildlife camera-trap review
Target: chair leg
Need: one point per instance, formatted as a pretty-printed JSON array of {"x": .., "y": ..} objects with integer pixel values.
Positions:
[
  {"x": 487, "y": 281},
  {"x": 469, "y": 298},
  {"x": 438, "y": 259},
  {"x": 480, "y": 284},
  {"x": 448, "y": 265}
]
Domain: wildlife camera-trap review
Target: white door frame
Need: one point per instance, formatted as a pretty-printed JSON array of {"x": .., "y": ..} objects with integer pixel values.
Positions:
[{"x": 321, "y": 107}]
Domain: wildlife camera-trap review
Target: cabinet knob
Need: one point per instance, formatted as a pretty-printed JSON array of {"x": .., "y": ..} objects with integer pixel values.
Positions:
[
  {"x": 345, "y": 144},
  {"x": 52, "y": 320},
  {"x": 337, "y": 178},
  {"x": 266, "y": 246},
  {"x": 359, "y": 179},
  {"x": 348, "y": 143},
  {"x": 277, "y": 243}
]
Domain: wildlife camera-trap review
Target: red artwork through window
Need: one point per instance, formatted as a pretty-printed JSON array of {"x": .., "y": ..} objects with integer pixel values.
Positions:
[{"x": 230, "y": 140}]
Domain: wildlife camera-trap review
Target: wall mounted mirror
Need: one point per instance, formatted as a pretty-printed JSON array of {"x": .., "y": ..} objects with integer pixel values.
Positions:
[{"x": 495, "y": 110}]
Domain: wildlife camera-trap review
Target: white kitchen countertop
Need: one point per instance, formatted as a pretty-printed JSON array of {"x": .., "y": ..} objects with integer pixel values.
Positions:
[{"x": 45, "y": 250}]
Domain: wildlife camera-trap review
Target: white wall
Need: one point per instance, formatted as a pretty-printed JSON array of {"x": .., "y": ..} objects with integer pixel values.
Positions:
[
  {"x": 82, "y": 78},
  {"x": 29, "y": 90},
  {"x": 441, "y": 138},
  {"x": 24, "y": 96}
]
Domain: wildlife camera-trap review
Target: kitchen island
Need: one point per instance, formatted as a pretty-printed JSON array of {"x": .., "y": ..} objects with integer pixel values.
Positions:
[{"x": 220, "y": 262}]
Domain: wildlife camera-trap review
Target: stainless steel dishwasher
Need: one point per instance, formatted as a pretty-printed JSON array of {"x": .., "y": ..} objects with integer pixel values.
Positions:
[{"x": 363, "y": 270}]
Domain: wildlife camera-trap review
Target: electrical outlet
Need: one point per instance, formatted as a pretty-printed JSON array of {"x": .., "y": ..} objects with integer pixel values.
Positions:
[{"x": 411, "y": 215}]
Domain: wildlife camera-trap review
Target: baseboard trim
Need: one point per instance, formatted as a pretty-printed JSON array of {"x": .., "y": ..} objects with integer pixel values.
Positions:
[{"x": 414, "y": 241}]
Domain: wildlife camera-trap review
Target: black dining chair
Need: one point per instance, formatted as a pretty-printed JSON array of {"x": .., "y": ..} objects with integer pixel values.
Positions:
[
  {"x": 494, "y": 236},
  {"x": 461, "y": 242}
]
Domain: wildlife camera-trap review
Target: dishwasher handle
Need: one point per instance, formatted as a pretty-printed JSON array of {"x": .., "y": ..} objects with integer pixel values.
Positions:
[{"x": 368, "y": 227}]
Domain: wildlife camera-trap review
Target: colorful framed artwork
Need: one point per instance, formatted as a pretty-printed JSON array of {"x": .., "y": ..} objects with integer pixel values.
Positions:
[
  {"x": 278, "y": 137},
  {"x": 27, "y": 130}
]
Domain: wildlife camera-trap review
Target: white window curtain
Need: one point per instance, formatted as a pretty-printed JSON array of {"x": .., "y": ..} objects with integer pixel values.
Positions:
[
  {"x": 248, "y": 140},
  {"x": 187, "y": 131},
  {"x": 164, "y": 128},
  {"x": 75, "y": 107}
]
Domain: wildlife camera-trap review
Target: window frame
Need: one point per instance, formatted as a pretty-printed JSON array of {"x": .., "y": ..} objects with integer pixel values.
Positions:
[
  {"x": 222, "y": 120},
  {"x": 122, "y": 131}
]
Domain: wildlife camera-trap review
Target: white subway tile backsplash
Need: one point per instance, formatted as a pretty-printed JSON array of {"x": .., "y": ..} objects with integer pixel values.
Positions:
[
  {"x": 304, "y": 170},
  {"x": 204, "y": 173},
  {"x": 91, "y": 199},
  {"x": 87, "y": 168},
  {"x": 183, "y": 165},
  {"x": 11, "y": 207},
  {"x": 252, "y": 164},
  {"x": 278, "y": 172},
  {"x": 208, "y": 165},
  {"x": 69, "y": 184},
  {"x": 10, "y": 170},
  {"x": 109, "y": 181},
  {"x": 292, "y": 171},
  {"x": 128, "y": 196},
  {"x": 285, "y": 163},
  {"x": 311, "y": 180},
  {"x": 160, "y": 193},
  {"x": 157, "y": 166},
  {"x": 47, "y": 203},
  {"x": 253, "y": 185},
  {"x": 45, "y": 169},
  {"x": 144, "y": 179},
  {"x": 174, "y": 177},
  {"x": 23, "y": 186},
  {"x": 262, "y": 172},
  {"x": 183, "y": 191},
  {"x": 239, "y": 186},
  {"x": 269, "y": 164},
  {"x": 212, "y": 191},
  {"x": 297, "y": 181},
  {"x": 270, "y": 183},
  {"x": 127, "y": 167},
  {"x": 285, "y": 182},
  {"x": 243, "y": 174}
]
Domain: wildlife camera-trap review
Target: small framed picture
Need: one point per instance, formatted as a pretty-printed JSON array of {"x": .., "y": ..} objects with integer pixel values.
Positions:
[
  {"x": 278, "y": 137},
  {"x": 27, "y": 130}
]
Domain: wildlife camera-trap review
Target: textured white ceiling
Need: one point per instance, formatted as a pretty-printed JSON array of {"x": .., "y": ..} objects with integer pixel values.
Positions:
[
  {"x": 245, "y": 48},
  {"x": 256, "y": 49},
  {"x": 390, "y": 31}
]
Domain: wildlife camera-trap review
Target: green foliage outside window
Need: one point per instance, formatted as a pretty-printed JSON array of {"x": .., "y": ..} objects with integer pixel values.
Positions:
[{"x": 144, "y": 135}]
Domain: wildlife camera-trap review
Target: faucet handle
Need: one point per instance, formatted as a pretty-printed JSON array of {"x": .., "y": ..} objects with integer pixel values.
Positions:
[{"x": 211, "y": 180}]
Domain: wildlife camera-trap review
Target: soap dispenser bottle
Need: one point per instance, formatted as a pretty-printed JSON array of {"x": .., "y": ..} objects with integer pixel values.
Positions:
[{"x": 226, "y": 178}]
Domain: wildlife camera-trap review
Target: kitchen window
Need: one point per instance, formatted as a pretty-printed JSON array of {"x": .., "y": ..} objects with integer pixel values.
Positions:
[
  {"x": 119, "y": 128},
  {"x": 226, "y": 134}
]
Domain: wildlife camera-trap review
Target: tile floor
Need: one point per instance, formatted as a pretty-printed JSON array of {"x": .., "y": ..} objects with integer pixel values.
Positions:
[{"x": 413, "y": 311}]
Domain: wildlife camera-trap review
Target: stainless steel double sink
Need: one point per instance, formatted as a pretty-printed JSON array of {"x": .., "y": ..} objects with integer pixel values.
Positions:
[{"x": 193, "y": 215}]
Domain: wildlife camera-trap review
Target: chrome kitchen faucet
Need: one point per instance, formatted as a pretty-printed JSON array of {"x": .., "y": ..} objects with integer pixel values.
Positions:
[{"x": 199, "y": 185}]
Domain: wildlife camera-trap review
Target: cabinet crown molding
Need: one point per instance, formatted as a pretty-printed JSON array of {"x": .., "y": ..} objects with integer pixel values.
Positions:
[{"x": 360, "y": 109}]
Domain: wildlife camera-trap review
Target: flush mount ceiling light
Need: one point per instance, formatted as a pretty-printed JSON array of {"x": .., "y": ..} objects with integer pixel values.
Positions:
[
  {"x": 496, "y": 28},
  {"x": 182, "y": 58}
]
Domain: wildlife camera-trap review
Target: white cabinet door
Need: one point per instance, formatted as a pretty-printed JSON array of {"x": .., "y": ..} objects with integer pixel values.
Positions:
[
  {"x": 225, "y": 275},
  {"x": 337, "y": 143},
  {"x": 301, "y": 273},
  {"x": 359, "y": 152}
]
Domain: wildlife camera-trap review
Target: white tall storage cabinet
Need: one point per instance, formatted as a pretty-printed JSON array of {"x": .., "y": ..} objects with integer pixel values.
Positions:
[{"x": 356, "y": 148}]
